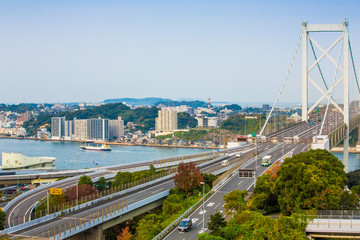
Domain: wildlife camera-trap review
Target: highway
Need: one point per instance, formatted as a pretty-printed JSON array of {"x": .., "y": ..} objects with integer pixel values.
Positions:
[
  {"x": 21, "y": 209},
  {"x": 215, "y": 202},
  {"x": 130, "y": 197}
]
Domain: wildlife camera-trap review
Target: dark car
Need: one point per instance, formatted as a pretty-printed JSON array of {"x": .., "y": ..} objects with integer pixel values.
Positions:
[{"x": 185, "y": 225}]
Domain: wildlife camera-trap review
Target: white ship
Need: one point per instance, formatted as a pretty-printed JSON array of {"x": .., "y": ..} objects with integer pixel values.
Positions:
[
  {"x": 17, "y": 161},
  {"x": 103, "y": 147}
]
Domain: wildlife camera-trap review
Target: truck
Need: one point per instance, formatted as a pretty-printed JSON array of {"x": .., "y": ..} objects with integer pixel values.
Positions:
[{"x": 266, "y": 161}]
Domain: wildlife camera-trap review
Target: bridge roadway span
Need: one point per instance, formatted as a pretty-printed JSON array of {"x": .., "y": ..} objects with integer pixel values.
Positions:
[
  {"x": 20, "y": 212},
  {"x": 301, "y": 129}
]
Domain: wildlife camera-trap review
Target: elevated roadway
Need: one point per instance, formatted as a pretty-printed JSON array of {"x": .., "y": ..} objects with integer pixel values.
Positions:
[
  {"x": 130, "y": 198},
  {"x": 301, "y": 129}
]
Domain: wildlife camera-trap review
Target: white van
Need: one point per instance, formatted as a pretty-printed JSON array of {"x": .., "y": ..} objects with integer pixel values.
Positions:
[{"x": 225, "y": 163}]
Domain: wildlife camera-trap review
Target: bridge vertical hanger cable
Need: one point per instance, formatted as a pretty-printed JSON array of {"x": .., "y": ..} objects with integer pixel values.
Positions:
[
  {"x": 330, "y": 93},
  {"x": 282, "y": 85}
]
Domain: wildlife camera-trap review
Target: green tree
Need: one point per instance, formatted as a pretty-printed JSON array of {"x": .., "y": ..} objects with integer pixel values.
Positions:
[
  {"x": 152, "y": 170},
  {"x": 188, "y": 177},
  {"x": 85, "y": 180},
  {"x": 122, "y": 178},
  {"x": 186, "y": 121},
  {"x": 349, "y": 201},
  {"x": 311, "y": 180},
  {"x": 206, "y": 236},
  {"x": 253, "y": 225},
  {"x": 234, "y": 107},
  {"x": 54, "y": 200},
  {"x": 356, "y": 189},
  {"x": 209, "y": 178},
  {"x": 2, "y": 220},
  {"x": 148, "y": 227},
  {"x": 353, "y": 178},
  {"x": 101, "y": 184},
  {"x": 234, "y": 201},
  {"x": 264, "y": 197},
  {"x": 172, "y": 204},
  {"x": 215, "y": 223}
]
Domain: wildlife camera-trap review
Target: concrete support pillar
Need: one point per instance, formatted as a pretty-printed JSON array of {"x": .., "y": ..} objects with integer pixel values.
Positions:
[
  {"x": 358, "y": 141},
  {"x": 96, "y": 233},
  {"x": 304, "y": 105},
  {"x": 346, "y": 96}
]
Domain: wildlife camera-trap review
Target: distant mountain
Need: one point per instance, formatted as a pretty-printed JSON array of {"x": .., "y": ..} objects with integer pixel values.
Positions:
[
  {"x": 194, "y": 104},
  {"x": 151, "y": 101}
]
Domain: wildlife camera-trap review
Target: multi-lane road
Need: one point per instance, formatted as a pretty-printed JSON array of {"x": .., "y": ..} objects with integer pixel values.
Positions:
[
  {"x": 215, "y": 202},
  {"x": 132, "y": 197},
  {"x": 21, "y": 209}
]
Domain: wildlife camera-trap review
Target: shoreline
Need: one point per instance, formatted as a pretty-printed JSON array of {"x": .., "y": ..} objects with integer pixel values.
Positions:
[
  {"x": 108, "y": 143},
  {"x": 341, "y": 149}
]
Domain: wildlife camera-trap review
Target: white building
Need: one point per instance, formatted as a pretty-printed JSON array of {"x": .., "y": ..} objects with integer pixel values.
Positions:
[
  {"x": 116, "y": 128},
  {"x": 166, "y": 121},
  {"x": 204, "y": 121}
]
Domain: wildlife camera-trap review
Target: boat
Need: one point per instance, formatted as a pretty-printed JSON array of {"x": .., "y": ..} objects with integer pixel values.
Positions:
[
  {"x": 103, "y": 147},
  {"x": 18, "y": 161}
]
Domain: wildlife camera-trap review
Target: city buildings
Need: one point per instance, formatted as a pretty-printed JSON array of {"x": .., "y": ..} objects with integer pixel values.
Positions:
[
  {"x": 204, "y": 121},
  {"x": 116, "y": 128},
  {"x": 181, "y": 108},
  {"x": 166, "y": 121},
  {"x": 57, "y": 127},
  {"x": 86, "y": 129}
]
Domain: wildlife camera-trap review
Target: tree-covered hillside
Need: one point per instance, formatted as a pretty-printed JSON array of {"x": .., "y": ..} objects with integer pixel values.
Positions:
[
  {"x": 19, "y": 108},
  {"x": 144, "y": 117},
  {"x": 194, "y": 104},
  {"x": 238, "y": 123}
]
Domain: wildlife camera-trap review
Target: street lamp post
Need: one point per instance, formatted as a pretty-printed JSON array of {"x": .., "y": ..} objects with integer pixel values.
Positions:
[
  {"x": 203, "y": 183},
  {"x": 77, "y": 184}
]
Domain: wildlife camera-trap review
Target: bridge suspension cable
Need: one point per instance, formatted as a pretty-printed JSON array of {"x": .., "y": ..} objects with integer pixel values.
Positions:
[
  {"x": 282, "y": 85},
  {"x": 353, "y": 65}
]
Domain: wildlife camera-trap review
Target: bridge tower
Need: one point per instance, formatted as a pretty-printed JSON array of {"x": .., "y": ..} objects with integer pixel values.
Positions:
[{"x": 327, "y": 93}]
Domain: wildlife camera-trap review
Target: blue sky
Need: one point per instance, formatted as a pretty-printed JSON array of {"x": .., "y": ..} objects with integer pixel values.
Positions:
[{"x": 238, "y": 51}]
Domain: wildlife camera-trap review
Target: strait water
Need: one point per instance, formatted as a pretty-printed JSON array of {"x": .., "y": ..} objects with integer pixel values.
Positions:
[
  {"x": 69, "y": 155},
  {"x": 354, "y": 160}
]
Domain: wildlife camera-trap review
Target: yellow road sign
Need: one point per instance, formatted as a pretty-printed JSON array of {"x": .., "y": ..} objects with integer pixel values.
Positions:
[
  {"x": 55, "y": 191},
  {"x": 1, "y": 209},
  {"x": 39, "y": 179}
]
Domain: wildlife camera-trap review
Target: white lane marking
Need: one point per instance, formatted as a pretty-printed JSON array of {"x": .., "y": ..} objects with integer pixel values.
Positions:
[
  {"x": 29, "y": 210},
  {"x": 240, "y": 182},
  {"x": 210, "y": 204},
  {"x": 199, "y": 223},
  {"x": 202, "y": 212},
  {"x": 202, "y": 231},
  {"x": 194, "y": 220},
  {"x": 217, "y": 205},
  {"x": 216, "y": 191}
]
